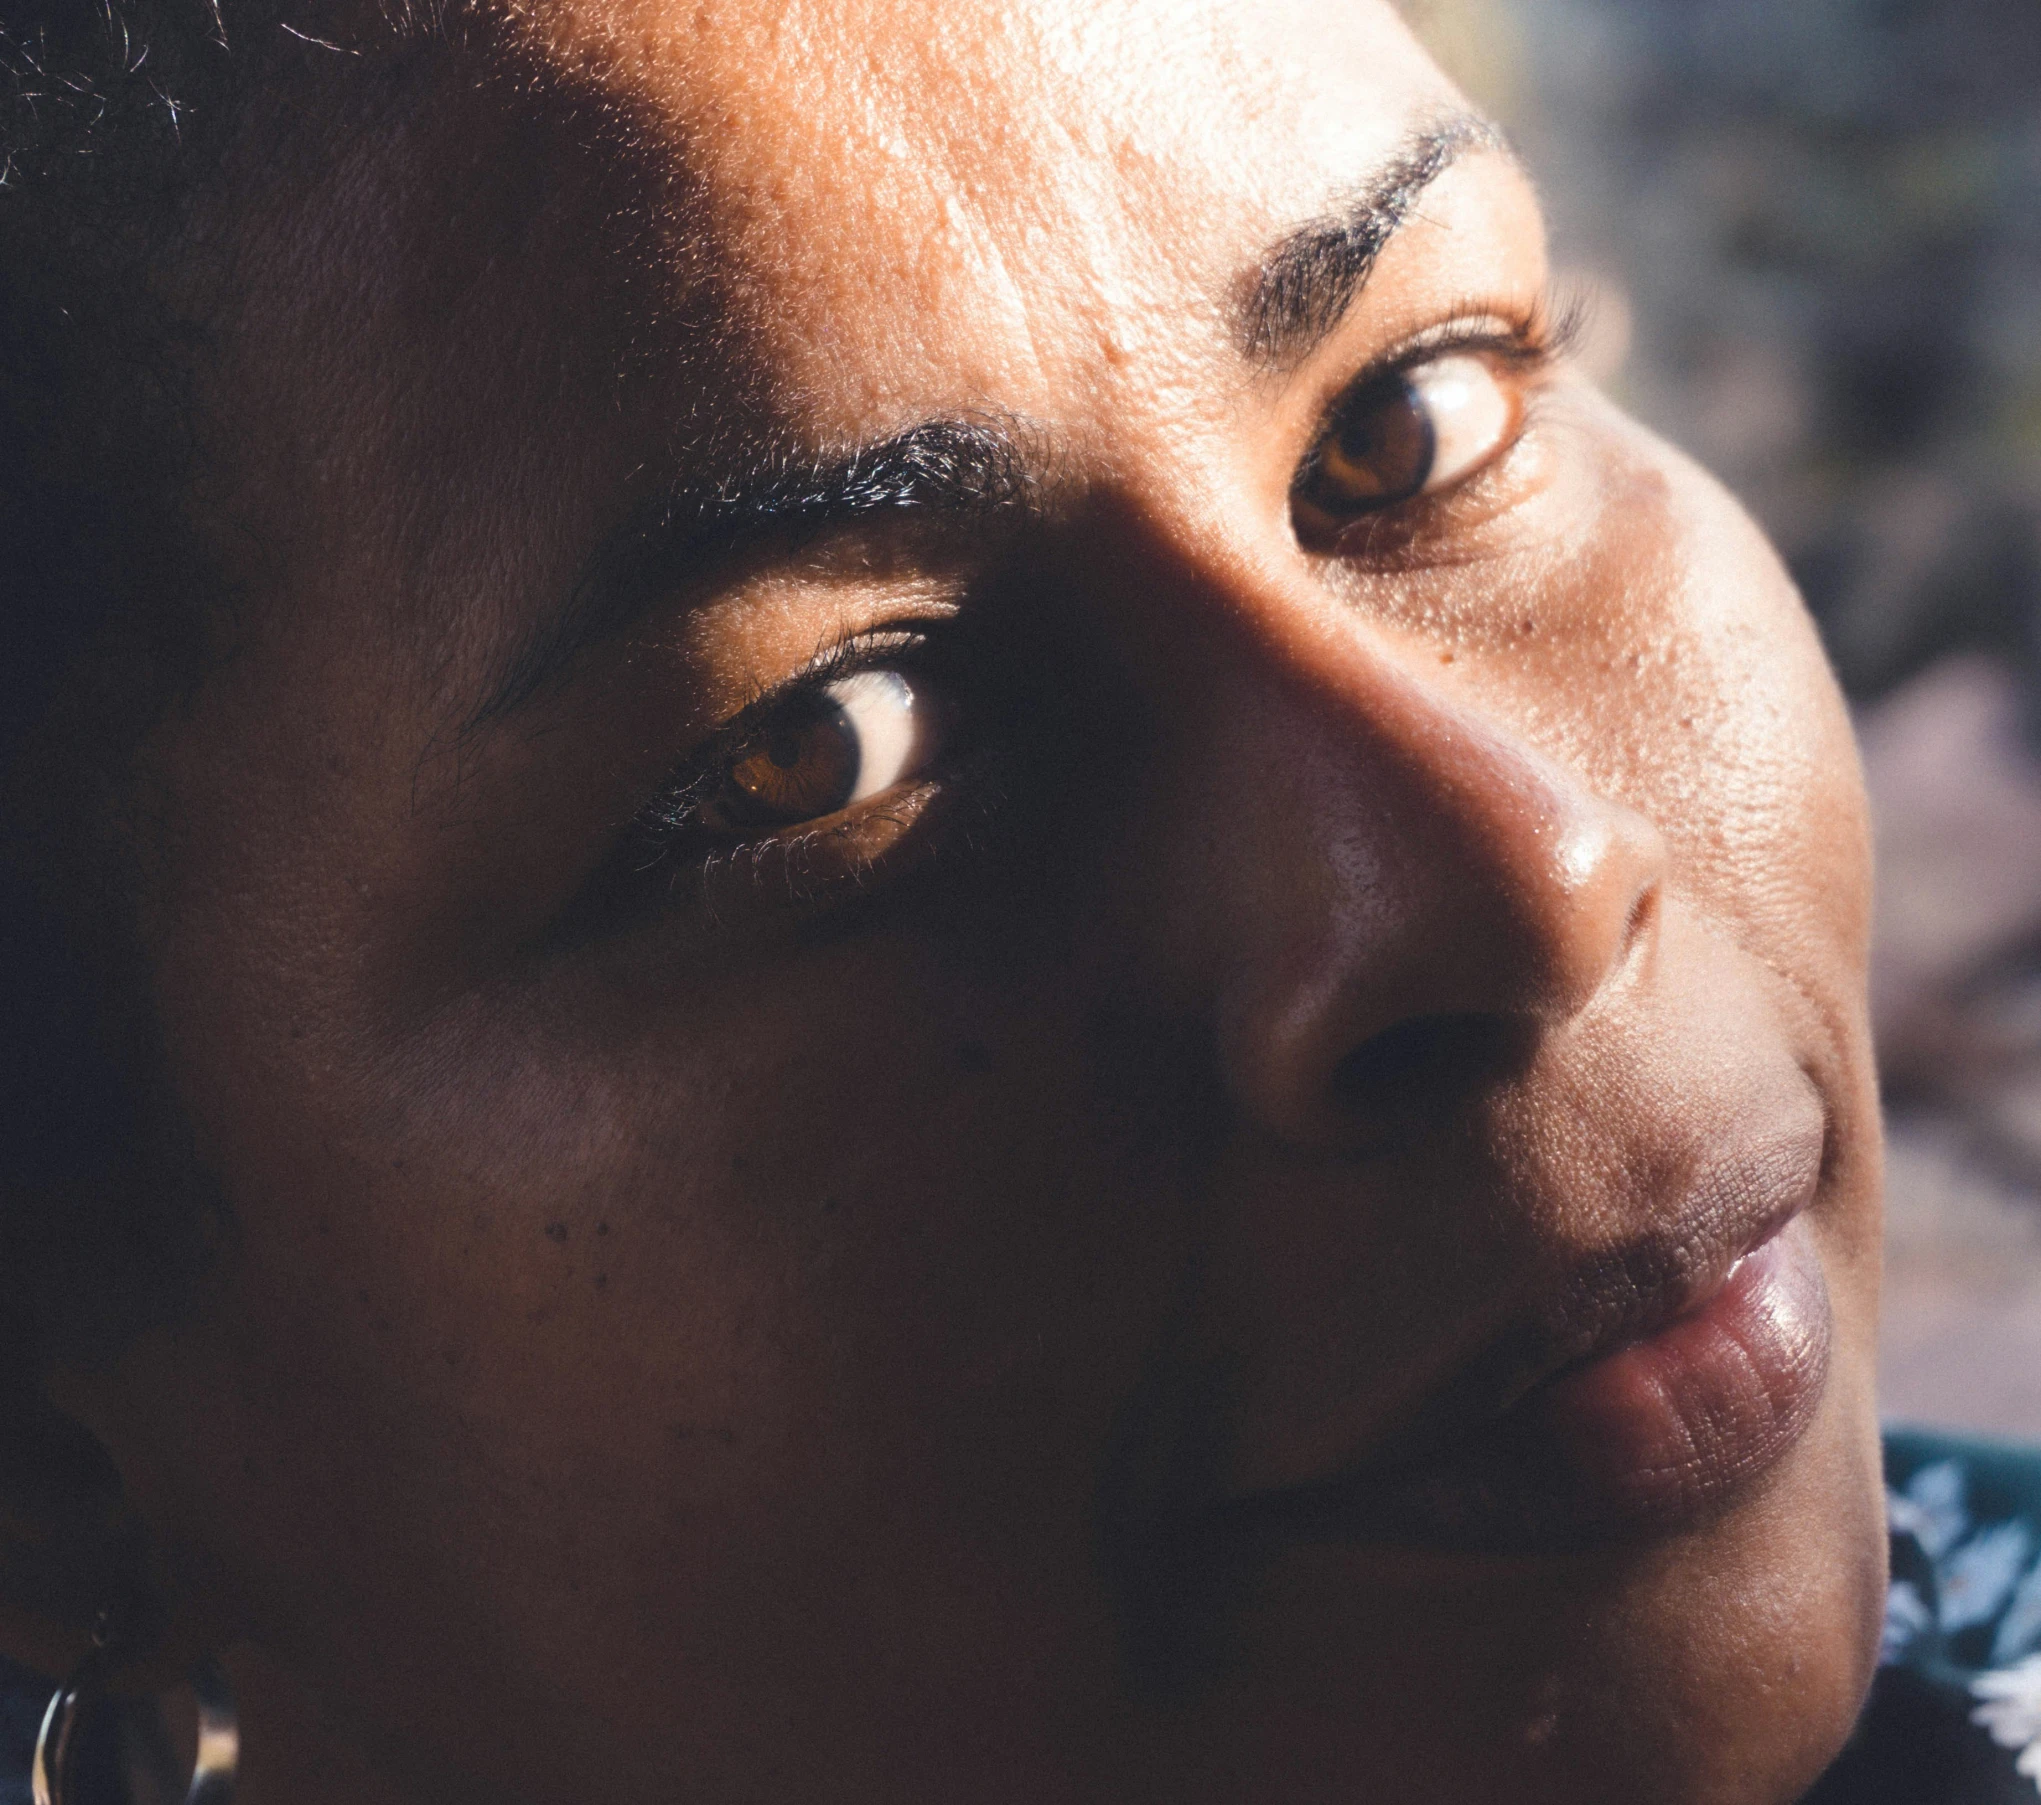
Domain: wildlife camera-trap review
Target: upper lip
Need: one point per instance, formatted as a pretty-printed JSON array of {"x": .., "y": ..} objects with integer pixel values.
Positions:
[{"x": 1603, "y": 1301}]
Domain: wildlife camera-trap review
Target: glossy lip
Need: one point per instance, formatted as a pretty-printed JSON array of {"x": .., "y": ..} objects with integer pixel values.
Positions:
[{"x": 1659, "y": 1384}]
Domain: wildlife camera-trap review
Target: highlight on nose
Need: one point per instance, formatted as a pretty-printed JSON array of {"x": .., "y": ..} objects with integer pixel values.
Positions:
[{"x": 1502, "y": 897}]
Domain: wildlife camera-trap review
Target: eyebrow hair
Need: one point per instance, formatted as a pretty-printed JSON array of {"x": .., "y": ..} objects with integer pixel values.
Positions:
[
  {"x": 1307, "y": 283},
  {"x": 952, "y": 474}
]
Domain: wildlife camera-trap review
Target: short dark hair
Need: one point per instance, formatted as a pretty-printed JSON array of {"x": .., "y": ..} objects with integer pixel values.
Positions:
[{"x": 112, "y": 112}]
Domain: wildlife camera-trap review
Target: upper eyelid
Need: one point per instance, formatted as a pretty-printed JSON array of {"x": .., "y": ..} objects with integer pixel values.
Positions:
[
  {"x": 838, "y": 658},
  {"x": 679, "y": 798},
  {"x": 1540, "y": 357},
  {"x": 1533, "y": 343}
]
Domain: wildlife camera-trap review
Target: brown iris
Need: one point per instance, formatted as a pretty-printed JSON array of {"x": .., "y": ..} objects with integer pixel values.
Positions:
[
  {"x": 804, "y": 765},
  {"x": 1380, "y": 451}
]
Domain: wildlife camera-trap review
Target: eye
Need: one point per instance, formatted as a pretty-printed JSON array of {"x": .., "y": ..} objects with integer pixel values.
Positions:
[
  {"x": 1411, "y": 432},
  {"x": 824, "y": 750}
]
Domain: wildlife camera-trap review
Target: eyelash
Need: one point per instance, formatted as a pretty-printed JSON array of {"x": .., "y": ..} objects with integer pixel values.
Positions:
[
  {"x": 670, "y": 831},
  {"x": 677, "y": 810},
  {"x": 1531, "y": 341},
  {"x": 1530, "y": 344}
]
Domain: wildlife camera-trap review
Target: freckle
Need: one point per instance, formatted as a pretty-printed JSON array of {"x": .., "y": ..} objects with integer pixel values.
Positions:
[
  {"x": 396, "y": 1165},
  {"x": 556, "y": 1231},
  {"x": 1527, "y": 626},
  {"x": 974, "y": 1056},
  {"x": 1447, "y": 657},
  {"x": 323, "y": 1226},
  {"x": 829, "y": 1206},
  {"x": 737, "y": 1163},
  {"x": 362, "y": 1298},
  {"x": 602, "y": 1281},
  {"x": 602, "y": 1228}
]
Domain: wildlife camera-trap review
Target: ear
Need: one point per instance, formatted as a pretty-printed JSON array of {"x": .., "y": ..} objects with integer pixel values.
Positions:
[
  {"x": 69, "y": 1548},
  {"x": 77, "y": 1561}
]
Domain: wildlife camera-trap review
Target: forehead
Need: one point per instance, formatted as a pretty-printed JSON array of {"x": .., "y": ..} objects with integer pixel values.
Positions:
[
  {"x": 684, "y": 239},
  {"x": 989, "y": 198}
]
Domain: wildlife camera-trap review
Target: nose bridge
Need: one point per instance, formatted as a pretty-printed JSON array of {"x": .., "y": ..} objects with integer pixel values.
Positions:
[
  {"x": 1538, "y": 877},
  {"x": 1423, "y": 877}
]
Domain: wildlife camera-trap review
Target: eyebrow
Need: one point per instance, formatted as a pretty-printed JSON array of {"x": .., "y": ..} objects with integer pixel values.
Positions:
[
  {"x": 949, "y": 475},
  {"x": 955, "y": 477},
  {"x": 1307, "y": 284}
]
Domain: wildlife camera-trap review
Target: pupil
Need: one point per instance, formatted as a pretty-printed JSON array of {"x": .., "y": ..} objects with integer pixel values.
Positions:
[
  {"x": 1388, "y": 443},
  {"x": 1382, "y": 450},
  {"x": 806, "y": 767}
]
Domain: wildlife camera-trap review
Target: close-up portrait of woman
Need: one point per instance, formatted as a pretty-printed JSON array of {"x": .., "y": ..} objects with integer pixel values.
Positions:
[{"x": 892, "y": 916}]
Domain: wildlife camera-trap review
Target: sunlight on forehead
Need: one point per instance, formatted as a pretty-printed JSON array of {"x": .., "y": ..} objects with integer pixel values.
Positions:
[{"x": 1002, "y": 192}]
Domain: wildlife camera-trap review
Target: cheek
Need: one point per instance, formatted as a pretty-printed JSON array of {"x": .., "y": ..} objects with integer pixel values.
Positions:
[
  {"x": 740, "y": 1330},
  {"x": 683, "y": 1294},
  {"x": 1705, "y": 700},
  {"x": 1719, "y": 716}
]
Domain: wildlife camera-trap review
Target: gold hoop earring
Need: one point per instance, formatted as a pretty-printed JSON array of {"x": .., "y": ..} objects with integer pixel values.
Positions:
[{"x": 219, "y": 1734}]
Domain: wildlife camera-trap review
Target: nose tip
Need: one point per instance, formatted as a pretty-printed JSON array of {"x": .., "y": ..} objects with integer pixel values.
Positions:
[
  {"x": 1577, "y": 907},
  {"x": 1501, "y": 897}
]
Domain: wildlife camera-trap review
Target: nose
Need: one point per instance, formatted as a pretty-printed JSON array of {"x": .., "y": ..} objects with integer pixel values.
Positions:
[{"x": 1422, "y": 893}]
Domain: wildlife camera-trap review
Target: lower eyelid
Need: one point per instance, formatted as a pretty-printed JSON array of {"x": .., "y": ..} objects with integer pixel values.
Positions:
[
  {"x": 803, "y": 866},
  {"x": 846, "y": 821},
  {"x": 1440, "y": 525},
  {"x": 857, "y": 818}
]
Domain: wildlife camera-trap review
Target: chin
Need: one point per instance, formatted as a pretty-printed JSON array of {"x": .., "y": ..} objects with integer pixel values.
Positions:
[{"x": 1725, "y": 1663}]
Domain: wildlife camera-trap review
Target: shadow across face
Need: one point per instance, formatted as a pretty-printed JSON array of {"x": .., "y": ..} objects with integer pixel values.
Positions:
[{"x": 974, "y": 1030}]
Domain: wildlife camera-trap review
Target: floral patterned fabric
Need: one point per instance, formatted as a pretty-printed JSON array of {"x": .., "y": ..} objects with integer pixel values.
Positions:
[{"x": 1955, "y": 1715}]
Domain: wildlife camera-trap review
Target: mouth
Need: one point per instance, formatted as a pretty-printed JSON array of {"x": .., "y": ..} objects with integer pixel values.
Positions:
[{"x": 1654, "y": 1390}]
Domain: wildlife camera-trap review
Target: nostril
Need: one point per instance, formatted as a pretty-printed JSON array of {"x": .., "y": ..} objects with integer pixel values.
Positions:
[
  {"x": 1408, "y": 1078},
  {"x": 1643, "y": 914}
]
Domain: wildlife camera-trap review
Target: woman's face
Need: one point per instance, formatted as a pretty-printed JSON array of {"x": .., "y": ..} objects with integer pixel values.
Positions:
[{"x": 995, "y": 942}]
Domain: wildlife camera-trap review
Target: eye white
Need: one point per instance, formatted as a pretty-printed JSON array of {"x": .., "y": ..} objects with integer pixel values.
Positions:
[
  {"x": 882, "y": 710},
  {"x": 1471, "y": 416}
]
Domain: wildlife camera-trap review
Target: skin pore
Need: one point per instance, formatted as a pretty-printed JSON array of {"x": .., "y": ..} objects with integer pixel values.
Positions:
[{"x": 748, "y": 1286}]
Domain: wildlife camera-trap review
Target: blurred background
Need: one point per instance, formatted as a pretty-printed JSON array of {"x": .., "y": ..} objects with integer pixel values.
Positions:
[{"x": 1811, "y": 231}]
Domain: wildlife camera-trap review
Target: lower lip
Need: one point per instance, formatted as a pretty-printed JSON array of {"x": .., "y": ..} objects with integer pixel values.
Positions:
[
  {"x": 1652, "y": 1438},
  {"x": 1662, "y": 1432}
]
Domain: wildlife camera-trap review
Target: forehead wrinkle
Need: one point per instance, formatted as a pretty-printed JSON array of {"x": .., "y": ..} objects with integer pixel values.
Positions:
[
  {"x": 998, "y": 198},
  {"x": 688, "y": 120},
  {"x": 823, "y": 135}
]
